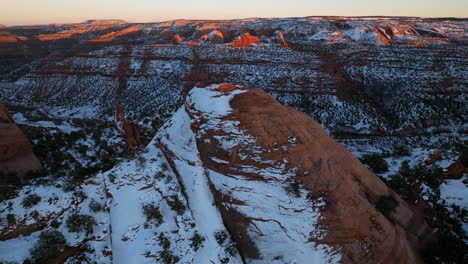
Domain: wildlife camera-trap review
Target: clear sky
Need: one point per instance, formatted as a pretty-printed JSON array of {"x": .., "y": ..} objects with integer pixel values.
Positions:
[{"x": 65, "y": 11}]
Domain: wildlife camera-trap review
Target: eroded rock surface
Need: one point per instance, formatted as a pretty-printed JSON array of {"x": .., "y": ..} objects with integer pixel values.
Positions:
[{"x": 15, "y": 149}]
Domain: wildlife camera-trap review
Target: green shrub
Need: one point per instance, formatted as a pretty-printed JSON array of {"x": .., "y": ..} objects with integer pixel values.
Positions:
[
  {"x": 293, "y": 189},
  {"x": 94, "y": 206},
  {"x": 197, "y": 241},
  {"x": 178, "y": 205},
  {"x": 163, "y": 241},
  {"x": 81, "y": 223},
  {"x": 375, "y": 162},
  {"x": 31, "y": 200},
  {"x": 152, "y": 213},
  {"x": 55, "y": 224},
  {"x": 50, "y": 244},
  {"x": 7, "y": 193},
  {"x": 401, "y": 151},
  {"x": 11, "y": 219},
  {"x": 167, "y": 257},
  {"x": 220, "y": 237}
]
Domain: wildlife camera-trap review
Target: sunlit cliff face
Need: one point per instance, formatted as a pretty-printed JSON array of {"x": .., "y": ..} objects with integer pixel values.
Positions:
[{"x": 244, "y": 33}]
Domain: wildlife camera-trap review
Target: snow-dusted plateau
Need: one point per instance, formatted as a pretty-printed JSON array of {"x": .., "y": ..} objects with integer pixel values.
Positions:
[{"x": 296, "y": 140}]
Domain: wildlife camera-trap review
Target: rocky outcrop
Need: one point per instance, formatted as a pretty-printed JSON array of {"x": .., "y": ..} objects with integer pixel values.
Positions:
[
  {"x": 177, "y": 40},
  {"x": 15, "y": 149},
  {"x": 456, "y": 170},
  {"x": 214, "y": 37},
  {"x": 282, "y": 41},
  {"x": 244, "y": 41},
  {"x": 277, "y": 177},
  {"x": 192, "y": 43},
  {"x": 130, "y": 130}
]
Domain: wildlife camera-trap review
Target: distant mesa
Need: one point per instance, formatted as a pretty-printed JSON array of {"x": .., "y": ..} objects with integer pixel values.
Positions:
[
  {"x": 105, "y": 22},
  {"x": 244, "y": 41}
]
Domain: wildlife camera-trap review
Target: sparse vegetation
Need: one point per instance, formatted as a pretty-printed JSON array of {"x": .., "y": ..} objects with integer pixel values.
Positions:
[
  {"x": 95, "y": 206},
  {"x": 293, "y": 189},
  {"x": 50, "y": 244},
  {"x": 375, "y": 162},
  {"x": 31, "y": 200},
  {"x": 178, "y": 205},
  {"x": 152, "y": 213},
  {"x": 168, "y": 257},
  {"x": 197, "y": 241},
  {"x": 449, "y": 244},
  {"x": 164, "y": 241},
  {"x": 11, "y": 219},
  {"x": 220, "y": 237},
  {"x": 81, "y": 223}
]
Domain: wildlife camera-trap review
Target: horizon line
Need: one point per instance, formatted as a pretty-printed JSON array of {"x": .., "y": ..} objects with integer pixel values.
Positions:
[{"x": 230, "y": 19}]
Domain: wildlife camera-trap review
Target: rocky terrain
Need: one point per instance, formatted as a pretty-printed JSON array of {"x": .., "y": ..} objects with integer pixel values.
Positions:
[{"x": 140, "y": 151}]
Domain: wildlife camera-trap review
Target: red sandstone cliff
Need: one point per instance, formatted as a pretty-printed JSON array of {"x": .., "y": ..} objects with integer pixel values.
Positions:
[{"x": 15, "y": 149}]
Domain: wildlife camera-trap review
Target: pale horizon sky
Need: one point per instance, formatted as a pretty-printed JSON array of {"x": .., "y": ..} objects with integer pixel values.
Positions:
[{"x": 22, "y": 12}]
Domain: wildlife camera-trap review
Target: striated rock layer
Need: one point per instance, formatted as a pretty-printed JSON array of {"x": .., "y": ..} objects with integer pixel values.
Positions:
[
  {"x": 286, "y": 190},
  {"x": 15, "y": 149}
]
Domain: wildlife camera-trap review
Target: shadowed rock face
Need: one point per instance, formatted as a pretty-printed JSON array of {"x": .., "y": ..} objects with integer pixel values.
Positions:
[
  {"x": 271, "y": 145},
  {"x": 15, "y": 149},
  {"x": 130, "y": 130}
]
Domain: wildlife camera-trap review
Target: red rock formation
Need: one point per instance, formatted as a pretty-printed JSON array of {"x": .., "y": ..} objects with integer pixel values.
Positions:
[
  {"x": 192, "y": 43},
  {"x": 283, "y": 43},
  {"x": 244, "y": 41},
  {"x": 456, "y": 170},
  {"x": 167, "y": 34},
  {"x": 131, "y": 132},
  {"x": 177, "y": 40},
  {"x": 288, "y": 140},
  {"x": 434, "y": 157},
  {"x": 15, "y": 149},
  {"x": 216, "y": 37}
]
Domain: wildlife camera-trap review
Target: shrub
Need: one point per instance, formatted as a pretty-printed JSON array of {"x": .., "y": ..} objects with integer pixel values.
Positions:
[
  {"x": 164, "y": 167},
  {"x": 375, "y": 162},
  {"x": 178, "y": 205},
  {"x": 7, "y": 193},
  {"x": 401, "y": 151},
  {"x": 55, "y": 224},
  {"x": 9, "y": 178},
  {"x": 220, "y": 237},
  {"x": 197, "y": 241},
  {"x": 31, "y": 200},
  {"x": 163, "y": 241},
  {"x": 293, "y": 188},
  {"x": 141, "y": 161},
  {"x": 11, "y": 219},
  {"x": 231, "y": 248},
  {"x": 386, "y": 205},
  {"x": 50, "y": 244},
  {"x": 152, "y": 213},
  {"x": 94, "y": 206},
  {"x": 160, "y": 175},
  {"x": 81, "y": 223},
  {"x": 167, "y": 257}
]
